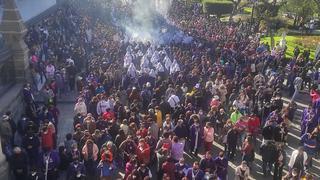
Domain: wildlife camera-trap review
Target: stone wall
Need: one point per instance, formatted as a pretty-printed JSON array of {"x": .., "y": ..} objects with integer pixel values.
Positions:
[
  {"x": 11, "y": 98},
  {"x": 12, "y": 101}
]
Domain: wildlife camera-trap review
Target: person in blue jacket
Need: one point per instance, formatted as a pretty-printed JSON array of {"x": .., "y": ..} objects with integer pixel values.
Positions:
[{"x": 195, "y": 172}]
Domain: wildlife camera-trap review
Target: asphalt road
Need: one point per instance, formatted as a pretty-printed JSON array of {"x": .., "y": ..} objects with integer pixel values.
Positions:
[{"x": 66, "y": 118}]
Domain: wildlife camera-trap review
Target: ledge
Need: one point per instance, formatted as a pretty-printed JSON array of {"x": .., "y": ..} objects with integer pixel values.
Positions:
[{"x": 7, "y": 99}]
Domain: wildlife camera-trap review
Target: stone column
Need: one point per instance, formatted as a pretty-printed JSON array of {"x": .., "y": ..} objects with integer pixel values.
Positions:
[{"x": 14, "y": 30}]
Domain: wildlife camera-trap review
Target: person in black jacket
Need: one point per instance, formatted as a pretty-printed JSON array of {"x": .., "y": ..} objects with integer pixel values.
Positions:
[
  {"x": 71, "y": 75},
  {"x": 64, "y": 160},
  {"x": 31, "y": 144},
  {"x": 19, "y": 164},
  {"x": 35, "y": 174},
  {"x": 232, "y": 139},
  {"x": 207, "y": 164},
  {"x": 268, "y": 131},
  {"x": 181, "y": 130},
  {"x": 268, "y": 152},
  {"x": 76, "y": 170},
  {"x": 280, "y": 133}
]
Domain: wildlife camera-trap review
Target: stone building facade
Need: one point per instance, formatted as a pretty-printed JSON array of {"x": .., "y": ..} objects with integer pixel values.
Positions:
[{"x": 14, "y": 64}]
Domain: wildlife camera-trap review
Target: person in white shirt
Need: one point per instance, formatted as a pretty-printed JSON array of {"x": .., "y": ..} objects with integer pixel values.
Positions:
[
  {"x": 173, "y": 101},
  {"x": 297, "y": 83},
  {"x": 298, "y": 160},
  {"x": 80, "y": 107},
  {"x": 102, "y": 106}
]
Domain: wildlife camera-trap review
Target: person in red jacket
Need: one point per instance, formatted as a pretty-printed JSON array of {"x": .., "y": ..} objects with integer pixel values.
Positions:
[
  {"x": 169, "y": 168},
  {"x": 314, "y": 94},
  {"x": 142, "y": 132},
  {"x": 253, "y": 126},
  {"x": 47, "y": 136},
  {"x": 108, "y": 115},
  {"x": 143, "y": 152}
]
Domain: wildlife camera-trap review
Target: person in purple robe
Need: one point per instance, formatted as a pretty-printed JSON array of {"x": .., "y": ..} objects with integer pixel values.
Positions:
[
  {"x": 221, "y": 163},
  {"x": 308, "y": 121},
  {"x": 49, "y": 163},
  {"x": 196, "y": 137},
  {"x": 195, "y": 173},
  {"x": 76, "y": 170},
  {"x": 181, "y": 169},
  {"x": 275, "y": 116}
]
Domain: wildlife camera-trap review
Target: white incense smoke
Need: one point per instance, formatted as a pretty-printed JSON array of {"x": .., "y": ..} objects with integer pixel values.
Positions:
[{"x": 148, "y": 21}]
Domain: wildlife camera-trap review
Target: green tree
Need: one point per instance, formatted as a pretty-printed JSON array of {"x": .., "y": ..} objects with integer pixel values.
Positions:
[
  {"x": 237, "y": 6},
  {"x": 318, "y": 5},
  {"x": 303, "y": 9},
  {"x": 267, "y": 11}
]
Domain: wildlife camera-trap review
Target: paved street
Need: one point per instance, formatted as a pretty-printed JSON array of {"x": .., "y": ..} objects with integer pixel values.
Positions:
[{"x": 66, "y": 118}]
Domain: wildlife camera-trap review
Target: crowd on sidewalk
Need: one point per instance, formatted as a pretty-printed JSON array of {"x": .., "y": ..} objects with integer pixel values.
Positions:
[{"x": 143, "y": 108}]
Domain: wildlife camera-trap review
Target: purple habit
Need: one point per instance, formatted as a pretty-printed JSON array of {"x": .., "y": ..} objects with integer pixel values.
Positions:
[{"x": 222, "y": 168}]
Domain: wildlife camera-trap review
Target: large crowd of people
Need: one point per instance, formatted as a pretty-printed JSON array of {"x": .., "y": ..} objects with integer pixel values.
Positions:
[{"x": 150, "y": 111}]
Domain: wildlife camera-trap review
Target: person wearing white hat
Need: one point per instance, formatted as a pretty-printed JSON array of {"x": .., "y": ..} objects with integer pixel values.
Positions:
[
  {"x": 103, "y": 105},
  {"x": 80, "y": 107},
  {"x": 174, "y": 101},
  {"x": 298, "y": 160}
]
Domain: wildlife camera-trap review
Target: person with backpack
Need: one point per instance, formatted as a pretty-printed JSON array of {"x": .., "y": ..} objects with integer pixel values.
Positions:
[
  {"x": 268, "y": 152},
  {"x": 298, "y": 162}
]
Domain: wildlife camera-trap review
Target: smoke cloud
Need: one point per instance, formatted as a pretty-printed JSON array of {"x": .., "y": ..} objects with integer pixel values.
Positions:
[{"x": 148, "y": 21}]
